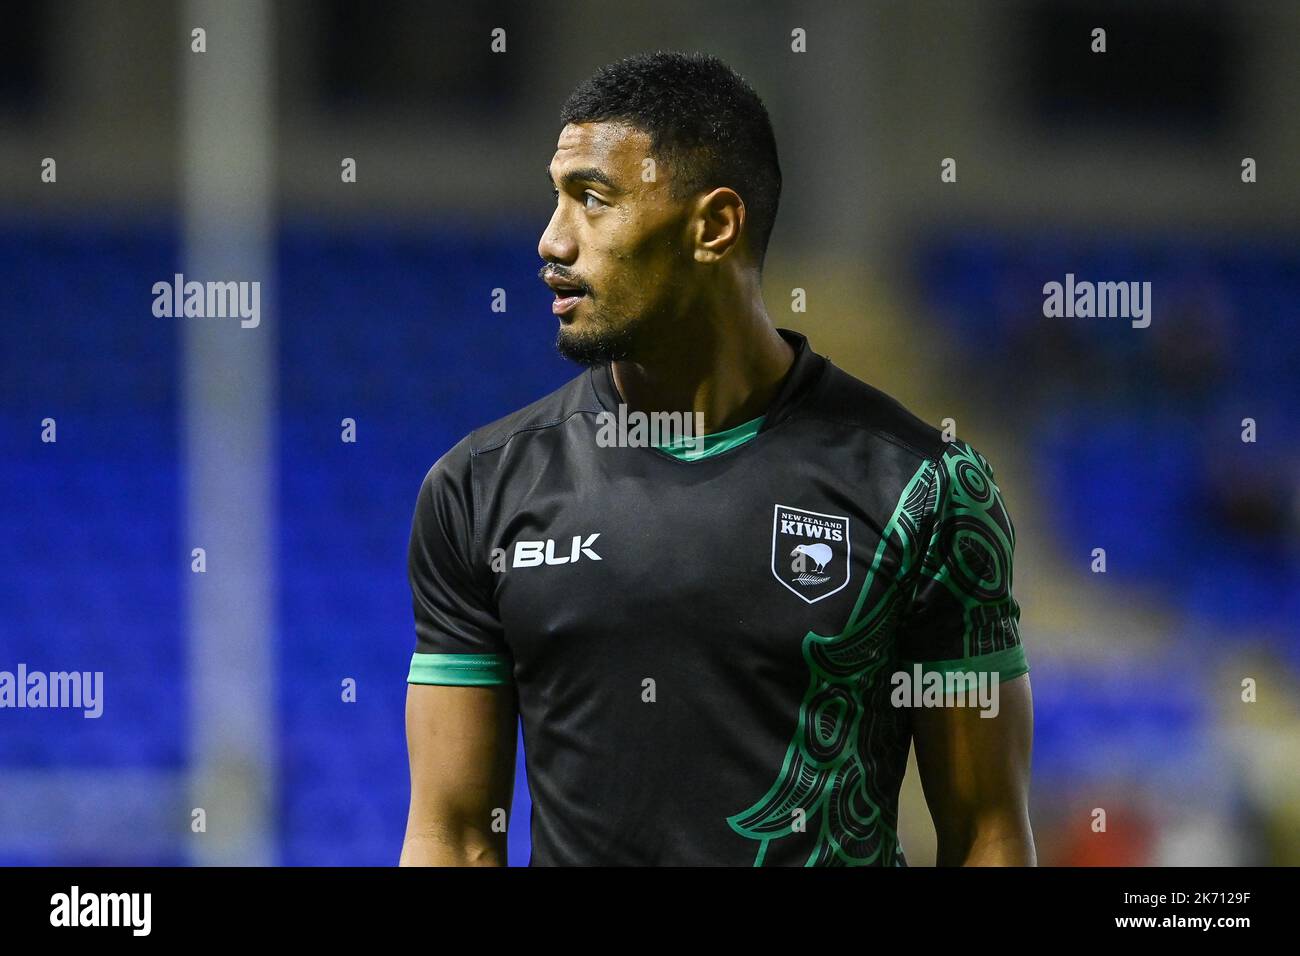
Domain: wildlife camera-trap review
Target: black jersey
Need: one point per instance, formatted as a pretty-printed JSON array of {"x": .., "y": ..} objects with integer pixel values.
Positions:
[{"x": 702, "y": 648}]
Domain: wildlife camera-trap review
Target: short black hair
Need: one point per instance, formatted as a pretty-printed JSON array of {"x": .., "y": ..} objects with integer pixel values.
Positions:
[{"x": 703, "y": 120}]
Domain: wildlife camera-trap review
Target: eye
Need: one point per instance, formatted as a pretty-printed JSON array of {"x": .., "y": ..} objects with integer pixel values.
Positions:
[{"x": 589, "y": 197}]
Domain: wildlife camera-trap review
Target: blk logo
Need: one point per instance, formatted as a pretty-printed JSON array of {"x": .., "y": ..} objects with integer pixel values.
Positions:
[
  {"x": 810, "y": 552},
  {"x": 529, "y": 554}
]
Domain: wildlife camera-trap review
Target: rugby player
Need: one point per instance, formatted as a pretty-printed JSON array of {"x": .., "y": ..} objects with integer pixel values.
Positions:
[{"x": 701, "y": 637}]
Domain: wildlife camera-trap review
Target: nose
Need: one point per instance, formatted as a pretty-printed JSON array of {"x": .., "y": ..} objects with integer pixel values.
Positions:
[{"x": 555, "y": 245}]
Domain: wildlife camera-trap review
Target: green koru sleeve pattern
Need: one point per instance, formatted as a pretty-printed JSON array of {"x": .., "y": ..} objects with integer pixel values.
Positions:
[
  {"x": 965, "y": 577},
  {"x": 848, "y": 732},
  {"x": 461, "y": 670},
  {"x": 828, "y": 783}
]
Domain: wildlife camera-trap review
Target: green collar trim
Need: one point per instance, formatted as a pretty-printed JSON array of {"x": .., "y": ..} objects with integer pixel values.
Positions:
[{"x": 706, "y": 446}]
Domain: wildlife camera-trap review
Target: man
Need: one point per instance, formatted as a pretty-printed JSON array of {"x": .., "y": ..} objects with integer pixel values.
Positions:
[{"x": 702, "y": 637}]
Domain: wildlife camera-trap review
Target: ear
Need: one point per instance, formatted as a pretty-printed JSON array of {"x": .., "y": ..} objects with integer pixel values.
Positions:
[{"x": 717, "y": 224}]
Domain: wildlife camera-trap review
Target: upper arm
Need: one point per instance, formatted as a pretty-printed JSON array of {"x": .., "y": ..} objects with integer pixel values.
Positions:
[
  {"x": 462, "y": 750},
  {"x": 460, "y": 706},
  {"x": 963, "y": 619},
  {"x": 975, "y": 775},
  {"x": 459, "y": 636}
]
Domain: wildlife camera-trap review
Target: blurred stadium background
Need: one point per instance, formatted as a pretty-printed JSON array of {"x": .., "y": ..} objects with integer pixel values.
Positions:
[{"x": 223, "y": 690}]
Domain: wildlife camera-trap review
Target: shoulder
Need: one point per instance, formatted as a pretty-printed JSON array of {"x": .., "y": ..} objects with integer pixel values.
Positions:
[
  {"x": 451, "y": 485},
  {"x": 572, "y": 398},
  {"x": 575, "y": 397},
  {"x": 957, "y": 471},
  {"x": 973, "y": 535},
  {"x": 849, "y": 401}
]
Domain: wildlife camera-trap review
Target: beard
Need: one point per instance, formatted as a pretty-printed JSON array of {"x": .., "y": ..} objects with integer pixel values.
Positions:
[{"x": 602, "y": 341}]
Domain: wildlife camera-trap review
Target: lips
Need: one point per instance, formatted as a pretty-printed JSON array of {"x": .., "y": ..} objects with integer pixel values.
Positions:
[
  {"x": 567, "y": 294},
  {"x": 565, "y": 303},
  {"x": 563, "y": 285}
]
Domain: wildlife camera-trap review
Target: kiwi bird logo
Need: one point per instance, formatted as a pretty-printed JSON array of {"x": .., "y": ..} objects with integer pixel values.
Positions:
[
  {"x": 808, "y": 550},
  {"x": 820, "y": 554}
]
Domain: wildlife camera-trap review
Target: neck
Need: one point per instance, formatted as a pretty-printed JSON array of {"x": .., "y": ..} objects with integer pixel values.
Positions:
[{"x": 727, "y": 370}]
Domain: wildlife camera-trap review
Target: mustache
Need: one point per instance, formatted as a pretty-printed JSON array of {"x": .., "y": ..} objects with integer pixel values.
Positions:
[{"x": 551, "y": 272}]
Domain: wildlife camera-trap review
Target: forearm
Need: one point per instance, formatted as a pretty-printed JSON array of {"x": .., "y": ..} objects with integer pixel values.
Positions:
[
  {"x": 1000, "y": 846},
  {"x": 433, "y": 845}
]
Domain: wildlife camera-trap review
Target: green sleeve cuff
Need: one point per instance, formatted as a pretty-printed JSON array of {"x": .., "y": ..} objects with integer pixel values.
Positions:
[
  {"x": 461, "y": 670},
  {"x": 1008, "y": 663}
]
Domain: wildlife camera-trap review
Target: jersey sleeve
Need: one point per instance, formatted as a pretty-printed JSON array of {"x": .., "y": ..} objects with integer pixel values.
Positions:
[
  {"x": 458, "y": 635},
  {"x": 962, "y": 616}
]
